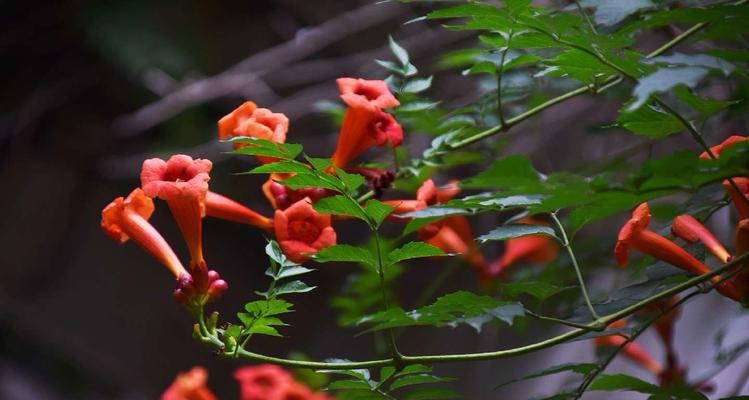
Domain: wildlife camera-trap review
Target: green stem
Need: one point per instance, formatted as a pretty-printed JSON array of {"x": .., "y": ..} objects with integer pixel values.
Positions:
[
  {"x": 444, "y": 358},
  {"x": 586, "y": 16},
  {"x": 565, "y": 322},
  {"x": 580, "y": 280},
  {"x": 600, "y": 368},
  {"x": 381, "y": 273}
]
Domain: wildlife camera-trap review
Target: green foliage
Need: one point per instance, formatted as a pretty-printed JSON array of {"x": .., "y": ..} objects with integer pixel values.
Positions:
[
  {"x": 583, "y": 368},
  {"x": 511, "y": 231},
  {"x": 449, "y": 310},
  {"x": 618, "y": 382},
  {"x": 361, "y": 384}
]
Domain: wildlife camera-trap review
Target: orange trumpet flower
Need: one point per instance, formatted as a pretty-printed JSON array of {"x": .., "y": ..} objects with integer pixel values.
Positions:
[
  {"x": 738, "y": 198},
  {"x": 222, "y": 207},
  {"x": 717, "y": 149},
  {"x": 364, "y": 123},
  {"x": 183, "y": 183},
  {"x": 301, "y": 231},
  {"x": 691, "y": 230},
  {"x": 127, "y": 218},
  {"x": 631, "y": 350},
  {"x": 190, "y": 385},
  {"x": 532, "y": 248},
  {"x": 251, "y": 121},
  {"x": 741, "y": 279},
  {"x": 634, "y": 234}
]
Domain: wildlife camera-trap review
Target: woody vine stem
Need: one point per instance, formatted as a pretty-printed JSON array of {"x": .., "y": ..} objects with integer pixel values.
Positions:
[{"x": 206, "y": 330}]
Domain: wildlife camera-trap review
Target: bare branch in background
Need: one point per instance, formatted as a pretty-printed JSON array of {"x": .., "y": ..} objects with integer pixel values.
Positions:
[{"x": 306, "y": 42}]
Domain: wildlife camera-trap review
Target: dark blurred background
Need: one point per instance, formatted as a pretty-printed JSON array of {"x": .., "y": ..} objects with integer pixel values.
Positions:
[{"x": 92, "y": 88}]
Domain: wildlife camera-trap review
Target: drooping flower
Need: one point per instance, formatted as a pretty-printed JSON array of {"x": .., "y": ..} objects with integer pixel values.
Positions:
[
  {"x": 741, "y": 279},
  {"x": 183, "y": 183},
  {"x": 717, "y": 149},
  {"x": 532, "y": 248},
  {"x": 450, "y": 234},
  {"x": 222, "y": 207},
  {"x": 742, "y": 183},
  {"x": 635, "y": 235},
  {"x": 631, "y": 350},
  {"x": 190, "y": 385},
  {"x": 265, "y": 381},
  {"x": 251, "y": 121},
  {"x": 301, "y": 231},
  {"x": 364, "y": 123},
  {"x": 127, "y": 218},
  {"x": 691, "y": 230}
]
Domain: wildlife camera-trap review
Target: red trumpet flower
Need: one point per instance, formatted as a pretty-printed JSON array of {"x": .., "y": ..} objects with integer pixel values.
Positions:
[
  {"x": 190, "y": 385},
  {"x": 631, "y": 350},
  {"x": 127, "y": 218},
  {"x": 251, "y": 121},
  {"x": 271, "y": 382},
  {"x": 742, "y": 208},
  {"x": 742, "y": 246},
  {"x": 691, "y": 230},
  {"x": 717, "y": 149},
  {"x": 634, "y": 234},
  {"x": 302, "y": 231},
  {"x": 364, "y": 123},
  {"x": 183, "y": 183},
  {"x": 222, "y": 207},
  {"x": 450, "y": 234},
  {"x": 533, "y": 248}
]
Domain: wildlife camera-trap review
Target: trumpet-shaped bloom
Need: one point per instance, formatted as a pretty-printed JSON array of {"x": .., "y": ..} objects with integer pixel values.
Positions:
[
  {"x": 635, "y": 235},
  {"x": 301, "y": 231},
  {"x": 222, "y": 207},
  {"x": 127, "y": 218},
  {"x": 183, "y": 183},
  {"x": 532, "y": 248},
  {"x": 691, "y": 230},
  {"x": 738, "y": 198},
  {"x": 741, "y": 279},
  {"x": 251, "y": 121},
  {"x": 190, "y": 385},
  {"x": 281, "y": 197},
  {"x": 271, "y": 382},
  {"x": 717, "y": 149},
  {"x": 631, "y": 350},
  {"x": 364, "y": 123}
]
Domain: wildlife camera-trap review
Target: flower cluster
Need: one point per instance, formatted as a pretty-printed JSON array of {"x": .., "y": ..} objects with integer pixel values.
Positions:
[
  {"x": 183, "y": 184},
  {"x": 636, "y": 235},
  {"x": 261, "y": 382}
]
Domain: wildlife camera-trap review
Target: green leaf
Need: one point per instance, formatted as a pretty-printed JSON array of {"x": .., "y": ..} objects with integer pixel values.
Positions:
[
  {"x": 663, "y": 80},
  {"x": 400, "y": 53},
  {"x": 706, "y": 107},
  {"x": 339, "y": 205},
  {"x": 416, "y": 379},
  {"x": 622, "y": 382},
  {"x": 273, "y": 250},
  {"x": 649, "y": 121},
  {"x": 507, "y": 172},
  {"x": 578, "y": 65},
  {"x": 349, "y": 384},
  {"x": 287, "y": 272},
  {"x": 299, "y": 181},
  {"x": 351, "y": 181},
  {"x": 450, "y": 310},
  {"x": 261, "y": 147},
  {"x": 582, "y": 369},
  {"x": 281, "y": 167},
  {"x": 413, "y": 250},
  {"x": 435, "y": 211},
  {"x": 345, "y": 253},
  {"x": 539, "y": 289},
  {"x": 293, "y": 287},
  {"x": 268, "y": 307},
  {"x": 512, "y": 231},
  {"x": 319, "y": 164},
  {"x": 417, "y": 85},
  {"x": 378, "y": 211}
]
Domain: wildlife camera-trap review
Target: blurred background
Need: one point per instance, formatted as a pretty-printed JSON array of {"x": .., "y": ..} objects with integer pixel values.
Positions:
[{"x": 93, "y": 88}]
